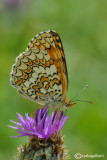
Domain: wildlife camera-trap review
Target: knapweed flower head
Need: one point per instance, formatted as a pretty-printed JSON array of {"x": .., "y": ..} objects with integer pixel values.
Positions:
[{"x": 42, "y": 125}]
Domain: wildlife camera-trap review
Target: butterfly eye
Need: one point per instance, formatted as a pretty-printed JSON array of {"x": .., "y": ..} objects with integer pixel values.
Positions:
[{"x": 70, "y": 104}]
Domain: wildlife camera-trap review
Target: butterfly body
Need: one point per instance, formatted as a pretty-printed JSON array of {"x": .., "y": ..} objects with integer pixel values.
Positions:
[{"x": 40, "y": 73}]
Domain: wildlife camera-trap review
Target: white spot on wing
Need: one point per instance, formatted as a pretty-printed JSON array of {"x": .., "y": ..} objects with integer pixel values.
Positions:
[
  {"x": 34, "y": 75},
  {"x": 27, "y": 83},
  {"x": 25, "y": 59},
  {"x": 42, "y": 69},
  {"x": 43, "y": 90},
  {"x": 50, "y": 89},
  {"x": 40, "y": 55},
  {"x": 32, "y": 56},
  {"x": 31, "y": 91},
  {"x": 32, "y": 79},
  {"x": 48, "y": 71},
  {"x": 23, "y": 66},
  {"x": 17, "y": 72},
  {"x": 36, "y": 69},
  {"x": 55, "y": 87},
  {"x": 47, "y": 57},
  {"x": 53, "y": 69}
]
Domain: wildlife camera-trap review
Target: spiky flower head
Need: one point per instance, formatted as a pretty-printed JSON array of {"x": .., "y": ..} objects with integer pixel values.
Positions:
[
  {"x": 42, "y": 125},
  {"x": 45, "y": 140}
]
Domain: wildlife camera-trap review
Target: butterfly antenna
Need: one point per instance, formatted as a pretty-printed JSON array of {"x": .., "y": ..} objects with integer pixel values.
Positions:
[
  {"x": 84, "y": 101},
  {"x": 78, "y": 100},
  {"x": 79, "y": 92}
]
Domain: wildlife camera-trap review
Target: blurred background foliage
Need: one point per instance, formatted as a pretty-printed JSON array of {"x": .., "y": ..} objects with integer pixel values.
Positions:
[{"x": 82, "y": 26}]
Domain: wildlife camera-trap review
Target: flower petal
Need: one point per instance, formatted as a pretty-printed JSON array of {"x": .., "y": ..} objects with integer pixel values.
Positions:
[{"x": 42, "y": 125}]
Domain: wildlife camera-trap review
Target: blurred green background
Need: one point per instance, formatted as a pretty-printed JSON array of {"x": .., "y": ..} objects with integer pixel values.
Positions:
[{"x": 82, "y": 26}]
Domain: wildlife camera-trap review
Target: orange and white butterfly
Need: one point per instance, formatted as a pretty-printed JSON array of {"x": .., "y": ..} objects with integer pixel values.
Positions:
[{"x": 40, "y": 73}]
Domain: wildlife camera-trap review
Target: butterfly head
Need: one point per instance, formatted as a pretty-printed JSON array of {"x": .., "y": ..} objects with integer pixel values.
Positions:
[{"x": 70, "y": 104}]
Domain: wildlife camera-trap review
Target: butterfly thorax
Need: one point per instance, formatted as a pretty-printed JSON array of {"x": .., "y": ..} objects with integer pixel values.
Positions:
[{"x": 61, "y": 103}]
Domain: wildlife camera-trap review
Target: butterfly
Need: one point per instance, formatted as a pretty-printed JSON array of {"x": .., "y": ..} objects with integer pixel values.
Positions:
[{"x": 40, "y": 73}]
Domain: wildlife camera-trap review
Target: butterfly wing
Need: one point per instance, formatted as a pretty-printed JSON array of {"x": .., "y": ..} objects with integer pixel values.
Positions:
[{"x": 40, "y": 73}]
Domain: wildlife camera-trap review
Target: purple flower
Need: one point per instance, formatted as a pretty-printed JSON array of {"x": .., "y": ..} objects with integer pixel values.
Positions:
[{"x": 42, "y": 125}]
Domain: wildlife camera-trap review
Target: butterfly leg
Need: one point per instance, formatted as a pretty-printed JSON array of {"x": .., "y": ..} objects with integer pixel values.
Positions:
[{"x": 35, "y": 111}]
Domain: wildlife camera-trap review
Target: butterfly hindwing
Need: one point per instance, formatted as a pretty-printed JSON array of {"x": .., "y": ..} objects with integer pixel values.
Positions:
[
  {"x": 35, "y": 76},
  {"x": 40, "y": 73}
]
